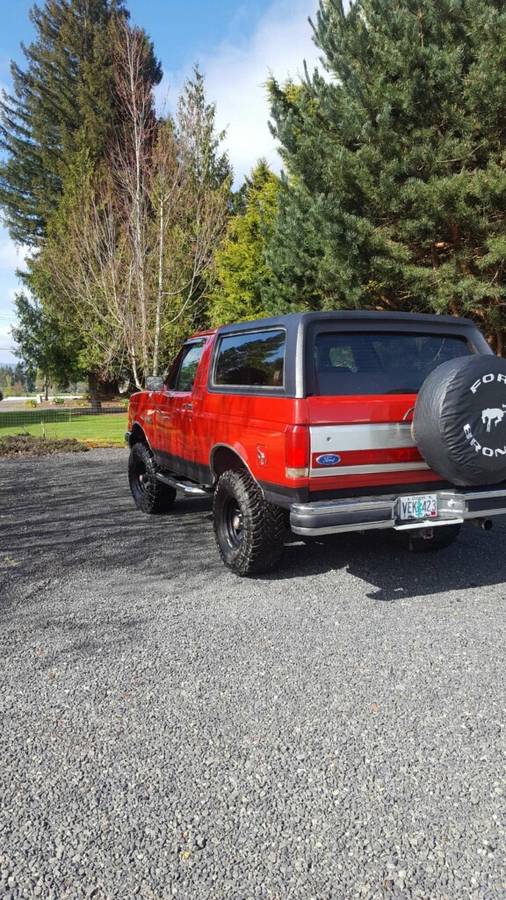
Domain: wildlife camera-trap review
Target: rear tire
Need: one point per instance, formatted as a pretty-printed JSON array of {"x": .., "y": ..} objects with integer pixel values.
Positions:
[
  {"x": 150, "y": 495},
  {"x": 250, "y": 532},
  {"x": 442, "y": 537}
]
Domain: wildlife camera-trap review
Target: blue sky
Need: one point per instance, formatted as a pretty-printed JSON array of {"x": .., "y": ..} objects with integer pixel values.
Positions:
[{"x": 238, "y": 44}]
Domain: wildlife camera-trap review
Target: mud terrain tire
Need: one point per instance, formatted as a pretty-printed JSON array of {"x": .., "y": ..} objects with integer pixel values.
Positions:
[
  {"x": 150, "y": 495},
  {"x": 250, "y": 532}
]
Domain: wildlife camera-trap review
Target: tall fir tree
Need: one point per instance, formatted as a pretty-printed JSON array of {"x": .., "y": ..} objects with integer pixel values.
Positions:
[
  {"x": 241, "y": 271},
  {"x": 61, "y": 102},
  {"x": 396, "y": 188},
  {"x": 57, "y": 127}
]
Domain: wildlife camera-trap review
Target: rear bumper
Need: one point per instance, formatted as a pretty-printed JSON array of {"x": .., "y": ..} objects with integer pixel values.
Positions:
[{"x": 366, "y": 513}]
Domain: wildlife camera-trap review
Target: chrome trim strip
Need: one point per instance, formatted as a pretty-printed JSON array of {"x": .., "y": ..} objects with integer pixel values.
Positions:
[
  {"x": 370, "y": 469},
  {"x": 427, "y": 523},
  {"x": 342, "y": 529},
  {"x": 371, "y": 436},
  {"x": 484, "y": 495},
  {"x": 487, "y": 513}
]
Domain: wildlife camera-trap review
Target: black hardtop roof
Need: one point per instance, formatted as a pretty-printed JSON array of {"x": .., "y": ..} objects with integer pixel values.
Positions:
[{"x": 292, "y": 320}]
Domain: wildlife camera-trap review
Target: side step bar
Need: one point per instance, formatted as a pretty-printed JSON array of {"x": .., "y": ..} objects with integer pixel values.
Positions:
[{"x": 191, "y": 490}]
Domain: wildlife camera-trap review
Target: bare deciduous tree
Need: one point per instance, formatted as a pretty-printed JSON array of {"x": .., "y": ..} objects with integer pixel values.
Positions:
[{"x": 135, "y": 242}]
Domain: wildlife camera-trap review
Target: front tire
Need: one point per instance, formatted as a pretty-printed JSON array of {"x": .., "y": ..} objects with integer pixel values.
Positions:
[
  {"x": 150, "y": 495},
  {"x": 250, "y": 532},
  {"x": 442, "y": 537}
]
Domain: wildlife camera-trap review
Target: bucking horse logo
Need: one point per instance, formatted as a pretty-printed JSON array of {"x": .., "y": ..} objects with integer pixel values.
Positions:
[{"x": 493, "y": 416}]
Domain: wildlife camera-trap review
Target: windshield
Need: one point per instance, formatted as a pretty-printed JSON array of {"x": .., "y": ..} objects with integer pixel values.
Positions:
[{"x": 380, "y": 363}]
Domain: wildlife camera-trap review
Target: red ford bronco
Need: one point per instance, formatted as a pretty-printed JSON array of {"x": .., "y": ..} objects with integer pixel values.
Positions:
[{"x": 324, "y": 423}]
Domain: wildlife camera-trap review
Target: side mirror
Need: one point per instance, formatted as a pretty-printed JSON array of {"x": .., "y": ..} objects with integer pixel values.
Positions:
[{"x": 154, "y": 383}]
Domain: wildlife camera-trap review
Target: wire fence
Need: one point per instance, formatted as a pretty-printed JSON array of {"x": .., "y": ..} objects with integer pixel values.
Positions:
[
  {"x": 48, "y": 415},
  {"x": 106, "y": 425}
]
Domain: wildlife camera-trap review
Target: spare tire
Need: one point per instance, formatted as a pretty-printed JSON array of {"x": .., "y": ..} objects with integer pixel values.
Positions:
[{"x": 459, "y": 422}]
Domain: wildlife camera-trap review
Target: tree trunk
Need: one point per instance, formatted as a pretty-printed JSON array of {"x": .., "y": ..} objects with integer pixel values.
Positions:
[
  {"x": 94, "y": 391},
  {"x": 160, "y": 289},
  {"x": 100, "y": 390}
]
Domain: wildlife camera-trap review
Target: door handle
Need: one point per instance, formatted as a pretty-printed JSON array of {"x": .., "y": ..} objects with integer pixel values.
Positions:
[
  {"x": 164, "y": 415},
  {"x": 187, "y": 405}
]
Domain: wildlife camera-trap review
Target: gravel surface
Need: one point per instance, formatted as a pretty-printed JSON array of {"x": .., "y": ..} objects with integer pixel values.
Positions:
[{"x": 334, "y": 730}]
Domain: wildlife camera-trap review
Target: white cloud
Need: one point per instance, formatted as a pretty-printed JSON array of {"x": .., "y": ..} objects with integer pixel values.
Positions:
[
  {"x": 6, "y": 339},
  {"x": 236, "y": 79},
  {"x": 7, "y": 345},
  {"x": 12, "y": 257}
]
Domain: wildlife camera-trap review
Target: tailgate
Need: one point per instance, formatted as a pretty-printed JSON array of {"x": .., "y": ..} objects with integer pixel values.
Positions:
[
  {"x": 361, "y": 441},
  {"x": 363, "y": 385}
]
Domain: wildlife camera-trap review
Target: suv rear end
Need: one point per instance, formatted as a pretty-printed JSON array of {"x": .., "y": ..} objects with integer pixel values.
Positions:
[{"x": 362, "y": 375}]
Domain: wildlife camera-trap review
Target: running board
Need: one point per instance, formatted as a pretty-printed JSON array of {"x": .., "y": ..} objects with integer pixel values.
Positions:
[{"x": 191, "y": 490}]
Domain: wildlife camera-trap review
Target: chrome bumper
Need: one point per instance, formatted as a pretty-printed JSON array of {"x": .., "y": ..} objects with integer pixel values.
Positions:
[{"x": 368, "y": 513}]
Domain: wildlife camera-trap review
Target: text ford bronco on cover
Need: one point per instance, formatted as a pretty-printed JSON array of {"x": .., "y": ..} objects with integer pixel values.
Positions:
[{"x": 324, "y": 423}]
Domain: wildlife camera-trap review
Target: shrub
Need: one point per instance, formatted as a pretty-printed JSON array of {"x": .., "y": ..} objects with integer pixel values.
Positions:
[{"x": 25, "y": 444}]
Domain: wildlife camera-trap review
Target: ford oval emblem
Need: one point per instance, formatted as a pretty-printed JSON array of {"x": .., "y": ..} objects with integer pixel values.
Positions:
[{"x": 328, "y": 459}]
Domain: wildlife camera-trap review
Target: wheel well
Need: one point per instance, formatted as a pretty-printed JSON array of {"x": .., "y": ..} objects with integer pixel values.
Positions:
[
  {"x": 224, "y": 459},
  {"x": 137, "y": 436}
]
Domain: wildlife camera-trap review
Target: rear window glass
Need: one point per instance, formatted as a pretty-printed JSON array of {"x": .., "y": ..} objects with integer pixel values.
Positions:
[
  {"x": 256, "y": 359},
  {"x": 379, "y": 363}
]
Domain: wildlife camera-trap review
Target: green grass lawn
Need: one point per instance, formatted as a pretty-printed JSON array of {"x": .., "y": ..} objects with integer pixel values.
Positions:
[{"x": 101, "y": 431}]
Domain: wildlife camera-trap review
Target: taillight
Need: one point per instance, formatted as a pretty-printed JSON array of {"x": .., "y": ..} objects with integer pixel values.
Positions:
[{"x": 297, "y": 451}]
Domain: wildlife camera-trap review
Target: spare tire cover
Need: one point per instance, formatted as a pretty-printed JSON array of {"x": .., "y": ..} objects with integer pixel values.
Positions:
[{"x": 459, "y": 421}]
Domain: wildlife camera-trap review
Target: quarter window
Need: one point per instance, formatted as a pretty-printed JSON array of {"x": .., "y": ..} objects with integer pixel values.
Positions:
[{"x": 254, "y": 359}]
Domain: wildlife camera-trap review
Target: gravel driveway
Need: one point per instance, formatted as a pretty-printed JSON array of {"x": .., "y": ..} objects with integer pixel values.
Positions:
[{"x": 334, "y": 730}]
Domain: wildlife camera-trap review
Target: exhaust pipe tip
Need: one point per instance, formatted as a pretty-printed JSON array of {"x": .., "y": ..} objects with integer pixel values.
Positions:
[{"x": 484, "y": 524}]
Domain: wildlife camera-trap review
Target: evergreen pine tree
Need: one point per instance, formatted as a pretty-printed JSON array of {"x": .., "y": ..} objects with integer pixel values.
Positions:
[
  {"x": 40, "y": 344},
  {"x": 61, "y": 102},
  {"x": 58, "y": 127},
  {"x": 240, "y": 267},
  {"x": 396, "y": 189}
]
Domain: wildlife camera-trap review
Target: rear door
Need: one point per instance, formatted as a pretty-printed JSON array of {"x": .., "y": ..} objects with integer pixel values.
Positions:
[{"x": 363, "y": 387}]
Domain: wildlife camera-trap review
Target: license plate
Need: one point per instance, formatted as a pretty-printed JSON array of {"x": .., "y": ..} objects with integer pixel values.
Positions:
[{"x": 424, "y": 506}]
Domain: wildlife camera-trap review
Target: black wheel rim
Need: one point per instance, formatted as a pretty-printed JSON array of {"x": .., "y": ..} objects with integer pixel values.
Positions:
[
  {"x": 142, "y": 477},
  {"x": 233, "y": 522}
]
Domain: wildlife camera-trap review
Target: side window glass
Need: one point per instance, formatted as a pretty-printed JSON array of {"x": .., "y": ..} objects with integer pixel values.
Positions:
[
  {"x": 253, "y": 359},
  {"x": 188, "y": 365}
]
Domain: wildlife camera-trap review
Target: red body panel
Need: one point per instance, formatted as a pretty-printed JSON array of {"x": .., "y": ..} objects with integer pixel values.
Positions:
[{"x": 190, "y": 426}]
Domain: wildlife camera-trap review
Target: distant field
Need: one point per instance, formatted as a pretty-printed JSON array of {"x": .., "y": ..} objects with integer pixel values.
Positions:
[{"x": 101, "y": 431}]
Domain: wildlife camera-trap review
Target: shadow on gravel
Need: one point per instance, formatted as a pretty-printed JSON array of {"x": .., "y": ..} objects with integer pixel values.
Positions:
[
  {"x": 381, "y": 560},
  {"x": 74, "y": 515}
]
